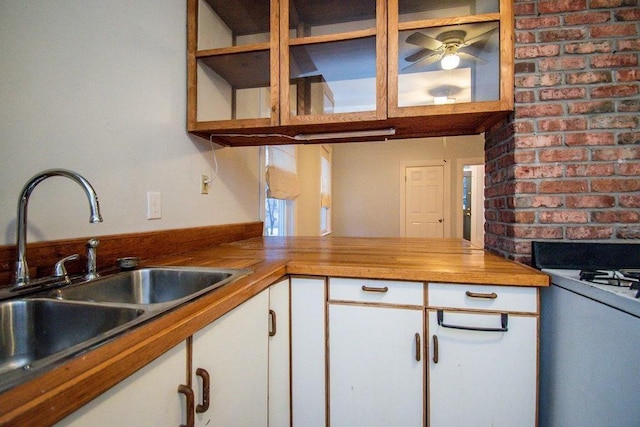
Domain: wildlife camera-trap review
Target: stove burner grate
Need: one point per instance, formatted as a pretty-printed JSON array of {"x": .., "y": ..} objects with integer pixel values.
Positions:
[{"x": 623, "y": 278}]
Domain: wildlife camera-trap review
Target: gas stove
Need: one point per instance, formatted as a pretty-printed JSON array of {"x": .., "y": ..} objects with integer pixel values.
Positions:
[{"x": 605, "y": 272}]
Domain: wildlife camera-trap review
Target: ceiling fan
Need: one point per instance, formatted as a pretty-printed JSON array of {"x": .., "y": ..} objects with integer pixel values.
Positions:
[{"x": 448, "y": 47}]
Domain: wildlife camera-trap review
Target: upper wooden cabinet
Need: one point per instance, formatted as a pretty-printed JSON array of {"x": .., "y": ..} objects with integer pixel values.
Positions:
[{"x": 284, "y": 71}]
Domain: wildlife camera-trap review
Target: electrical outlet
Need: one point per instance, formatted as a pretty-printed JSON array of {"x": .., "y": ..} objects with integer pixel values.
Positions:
[
  {"x": 154, "y": 205},
  {"x": 204, "y": 184}
]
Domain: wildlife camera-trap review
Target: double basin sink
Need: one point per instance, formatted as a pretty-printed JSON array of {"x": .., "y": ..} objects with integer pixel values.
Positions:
[{"x": 41, "y": 330}]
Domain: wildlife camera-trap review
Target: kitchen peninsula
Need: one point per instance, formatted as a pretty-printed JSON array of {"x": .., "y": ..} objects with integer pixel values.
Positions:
[{"x": 424, "y": 262}]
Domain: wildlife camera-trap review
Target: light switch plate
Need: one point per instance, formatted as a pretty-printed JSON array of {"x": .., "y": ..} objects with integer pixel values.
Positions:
[{"x": 154, "y": 205}]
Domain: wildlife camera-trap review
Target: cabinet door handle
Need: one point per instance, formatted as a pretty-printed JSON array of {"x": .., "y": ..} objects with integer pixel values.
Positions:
[
  {"x": 418, "y": 352},
  {"x": 188, "y": 393},
  {"x": 206, "y": 390},
  {"x": 272, "y": 323},
  {"x": 435, "y": 349},
  {"x": 504, "y": 320},
  {"x": 492, "y": 295},
  {"x": 374, "y": 289}
]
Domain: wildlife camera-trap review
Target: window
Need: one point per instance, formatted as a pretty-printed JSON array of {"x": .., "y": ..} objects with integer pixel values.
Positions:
[
  {"x": 281, "y": 189},
  {"x": 325, "y": 191}
]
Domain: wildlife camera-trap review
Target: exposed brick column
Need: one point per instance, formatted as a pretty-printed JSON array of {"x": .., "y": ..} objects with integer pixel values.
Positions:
[{"x": 566, "y": 164}]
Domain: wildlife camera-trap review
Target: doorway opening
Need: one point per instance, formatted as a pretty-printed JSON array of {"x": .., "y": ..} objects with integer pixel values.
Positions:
[{"x": 473, "y": 203}]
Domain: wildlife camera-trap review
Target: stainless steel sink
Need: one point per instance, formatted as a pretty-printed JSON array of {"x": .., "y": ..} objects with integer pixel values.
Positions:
[
  {"x": 37, "y": 332},
  {"x": 153, "y": 285}
]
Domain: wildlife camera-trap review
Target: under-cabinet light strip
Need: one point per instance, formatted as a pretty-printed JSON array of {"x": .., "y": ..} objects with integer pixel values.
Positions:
[{"x": 341, "y": 135}]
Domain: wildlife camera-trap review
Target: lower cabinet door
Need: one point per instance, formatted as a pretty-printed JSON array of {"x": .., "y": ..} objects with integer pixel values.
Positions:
[
  {"x": 481, "y": 377},
  {"x": 149, "y": 397},
  {"x": 376, "y": 370},
  {"x": 233, "y": 350}
]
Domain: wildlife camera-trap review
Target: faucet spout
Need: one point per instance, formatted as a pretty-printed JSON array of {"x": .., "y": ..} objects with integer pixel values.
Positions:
[{"x": 22, "y": 270}]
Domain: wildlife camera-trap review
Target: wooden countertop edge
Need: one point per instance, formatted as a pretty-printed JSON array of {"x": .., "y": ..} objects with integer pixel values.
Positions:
[{"x": 59, "y": 392}]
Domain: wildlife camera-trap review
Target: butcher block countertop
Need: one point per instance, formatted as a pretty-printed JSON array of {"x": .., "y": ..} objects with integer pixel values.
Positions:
[{"x": 58, "y": 392}]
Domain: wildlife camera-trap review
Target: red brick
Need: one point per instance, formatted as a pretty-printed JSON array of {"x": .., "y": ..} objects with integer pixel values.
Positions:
[
  {"x": 525, "y": 37},
  {"x": 539, "y": 202},
  {"x": 563, "y": 155},
  {"x": 614, "y": 185},
  {"x": 560, "y": 217},
  {"x": 628, "y": 75},
  {"x": 616, "y": 216},
  {"x": 614, "y": 60},
  {"x": 591, "y": 107},
  {"x": 629, "y": 201},
  {"x": 529, "y": 172},
  {"x": 614, "y": 91},
  {"x": 606, "y": 4},
  {"x": 629, "y": 106},
  {"x": 590, "y": 201},
  {"x": 525, "y": 67},
  {"x": 539, "y": 110},
  {"x": 524, "y": 156},
  {"x": 628, "y": 232},
  {"x": 627, "y": 45},
  {"x": 588, "y": 47},
  {"x": 558, "y": 6},
  {"x": 629, "y": 138},
  {"x": 535, "y": 23},
  {"x": 563, "y": 93},
  {"x": 590, "y": 169},
  {"x": 629, "y": 169},
  {"x": 564, "y": 186},
  {"x": 615, "y": 122},
  {"x": 628, "y": 15},
  {"x": 587, "y": 18},
  {"x": 537, "y": 51},
  {"x": 525, "y": 187},
  {"x": 590, "y": 138},
  {"x": 534, "y": 232},
  {"x": 523, "y": 127},
  {"x": 550, "y": 79},
  {"x": 556, "y": 125},
  {"x": 525, "y": 96},
  {"x": 562, "y": 35},
  {"x": 534, "y": 141},
  {"x": 589, "y": 232},
  {"x": 613, "y": 30},
  {"x": 617, "y": 153},
  {"x": 589, "y": 77},
  {"x": 525, "y": 217},
  {"x": 524, "y": 9},
  {"x": 560, "y": 64}
]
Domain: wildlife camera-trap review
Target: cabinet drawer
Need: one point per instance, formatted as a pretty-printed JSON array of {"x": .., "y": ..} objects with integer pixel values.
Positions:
[
  {"x": 376, "y": 291},
  {"x": 483, "y": 297}
]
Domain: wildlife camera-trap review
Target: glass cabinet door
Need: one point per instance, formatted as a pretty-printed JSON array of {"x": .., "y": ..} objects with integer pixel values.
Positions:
[
  {"x": 234, "y": 56},
  {"x": 332, "y": 49},
  {"x": 444, "y": 53}
]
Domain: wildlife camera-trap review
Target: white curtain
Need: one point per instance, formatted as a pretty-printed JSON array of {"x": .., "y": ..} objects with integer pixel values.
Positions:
[{"x": 282, "y": 173}]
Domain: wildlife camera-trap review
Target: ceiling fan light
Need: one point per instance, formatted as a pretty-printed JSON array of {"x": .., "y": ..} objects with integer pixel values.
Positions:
[{"x": 450, "y": 61}]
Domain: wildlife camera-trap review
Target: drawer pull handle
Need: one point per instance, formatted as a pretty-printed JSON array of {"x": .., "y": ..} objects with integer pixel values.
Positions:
[
  {"x": 418, "y": 352},
  {"x": 504, "y": 320},
  {"x": 272, "y": 323},
  {"x": 374, "y": 289},
  {"x": 206, "y": 390},
  {"x": 492, "y": 295},
  {"x": 435, "y": 349},
  {"x": 188, "y": 393}
]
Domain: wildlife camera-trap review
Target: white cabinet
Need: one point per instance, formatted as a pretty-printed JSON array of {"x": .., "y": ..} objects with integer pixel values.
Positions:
[
  {"x": 308, "y": 391},
  {"x": 376, "y": 369},
  {"x": 149, "y": 397},
  {"x": 279, "y": 360},
  {"x": 234, "y": 352},
  {"x": 482, "y": 355}
]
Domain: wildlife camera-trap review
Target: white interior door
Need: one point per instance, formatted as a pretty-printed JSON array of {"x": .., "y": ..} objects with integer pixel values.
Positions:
[{"x": 424, "y": 201}]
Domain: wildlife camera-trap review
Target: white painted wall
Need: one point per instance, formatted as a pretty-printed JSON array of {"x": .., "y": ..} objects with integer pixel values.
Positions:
[
  {"x": 99, "y": 87},
  {"x": 366, "y": 181}
]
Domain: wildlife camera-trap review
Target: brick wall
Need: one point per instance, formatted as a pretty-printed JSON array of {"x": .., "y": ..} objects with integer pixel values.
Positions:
[{"x": 566, "y": 164}]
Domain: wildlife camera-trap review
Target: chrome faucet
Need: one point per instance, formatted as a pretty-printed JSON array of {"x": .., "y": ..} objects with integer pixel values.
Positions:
[
  {"x": 22, "y": 270},
  {"x": 92, "y": 273}
]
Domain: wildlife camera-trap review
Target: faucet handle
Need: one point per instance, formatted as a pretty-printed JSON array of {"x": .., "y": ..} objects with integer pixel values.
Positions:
[{"x": 59, "y": 270}]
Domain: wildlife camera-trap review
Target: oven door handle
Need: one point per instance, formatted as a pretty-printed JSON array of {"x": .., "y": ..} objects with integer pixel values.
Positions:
[{"x": 504, "y": 320}]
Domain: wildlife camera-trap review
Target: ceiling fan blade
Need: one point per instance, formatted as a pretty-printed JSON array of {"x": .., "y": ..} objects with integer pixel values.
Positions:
[
  {"x": 424, "y": 62},
  {"x": 422, "y": 53},
  {"x": 479, "y": 38},
  {"x": 470, "y": 52},
  {"x": 424, "y": 41},
  {"x": 469, "y": 56}
]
